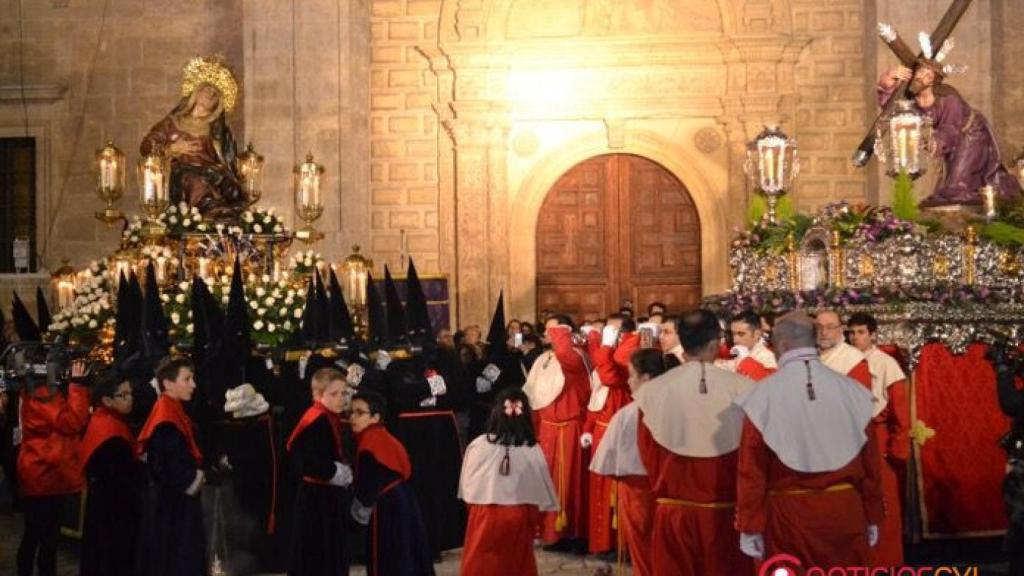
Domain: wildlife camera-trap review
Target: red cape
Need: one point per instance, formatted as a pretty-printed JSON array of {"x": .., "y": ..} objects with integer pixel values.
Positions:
[
  {"x": 104, "y": 425},
  {"x": 386, "y": 449},
  {"x": 168, "y": 410},
  {"x": 312, "y": 413}
]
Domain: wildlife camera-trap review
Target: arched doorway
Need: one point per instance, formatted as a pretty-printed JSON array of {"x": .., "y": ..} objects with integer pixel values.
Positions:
[{"x": 617, "y": 228}]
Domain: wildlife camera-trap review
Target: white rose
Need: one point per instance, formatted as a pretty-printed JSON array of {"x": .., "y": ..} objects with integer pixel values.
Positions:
[
  {"x": 254, "y": 305},
  {"x": 271, "y": 327},
  {"x": 277, "y": 228},
  {"x": 258, "y": 325},
  {"x": 172, "y": 209},
  {"x": 190, "y": 328},
  {"x": 289, "y": 300},
  {"x": 183, "y": 207},
  {"x": 287, "y": 325},
  {"x": 308, "y": 261},
  {"x": 269, "y": 301},
  {"x": 260, "y": 291},
  {"x": 183, "y": 286},
  {"x": 257, "y": 229},
  {"x": 265, "y": 278},
  {"x": 224, "y": 299},
  {"x": 261, "y": 312},
  {"x": 247, "y": 216},
  {"x": 224, "y": 279},
  {"x": 175, "y": 318},
  {"x": 173, "y": 219},
  {"x": 180, "y": 298},
  {"x": 93, "y": 324},
  {"x": 186, "y": 222},
  {"x": 297, "y": 313},
  {"x": 198, "y": 217},
  {"x": 202, "y": 227},
  {"x": 283, "y": 311}
]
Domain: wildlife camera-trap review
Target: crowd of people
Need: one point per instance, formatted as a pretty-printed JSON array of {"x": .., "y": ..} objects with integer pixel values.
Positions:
[{"x": 684, "y": 444}]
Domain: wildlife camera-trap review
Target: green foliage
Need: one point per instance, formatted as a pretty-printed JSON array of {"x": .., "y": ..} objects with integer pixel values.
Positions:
[
  {"x": 756, "y": 209},
  {"x": 1004, "y": 233},
  {"x": 903, "y": 205}
]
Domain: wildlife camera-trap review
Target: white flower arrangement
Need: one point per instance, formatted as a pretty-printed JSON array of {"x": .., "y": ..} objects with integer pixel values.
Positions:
[
  {"x": 304, "y": 262},
  {"x": 90, "y": 309},
  {"x": 262, "y": 221}
]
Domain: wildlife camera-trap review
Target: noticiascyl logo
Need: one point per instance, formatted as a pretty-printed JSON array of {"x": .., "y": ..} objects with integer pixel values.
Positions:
[{"x": 780, "y": 565}]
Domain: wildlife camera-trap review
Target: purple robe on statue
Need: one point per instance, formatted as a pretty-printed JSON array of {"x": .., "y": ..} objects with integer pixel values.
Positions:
[{"x": 970, "y": 154}]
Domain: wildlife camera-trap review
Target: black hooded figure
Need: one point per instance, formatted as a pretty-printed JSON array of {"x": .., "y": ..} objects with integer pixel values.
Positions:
[
  {"x": 498, "y": 369},
  {"x": 24, "y": 326},
  {"x": 424, "y": 390},
  {"x": 43, "y": 317}
]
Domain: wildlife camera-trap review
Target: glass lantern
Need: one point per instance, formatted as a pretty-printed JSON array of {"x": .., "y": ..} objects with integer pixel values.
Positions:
[
  {"x": 308, "y": 202},
  {"x": 904, "y": 140},
  {"x": 63, "y": 284},
  {"x": 110, "y": 162},
  {"x": 354, "y": 272},
  {"x": 250, "y": 168},
  {"x": 154, "y": 174},
  {"x": 772, "y": 164}
]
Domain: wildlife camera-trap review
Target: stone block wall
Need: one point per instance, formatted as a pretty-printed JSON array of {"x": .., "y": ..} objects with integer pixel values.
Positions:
[
  {"x": 830, "y": 80},
  {"x": 101, "y": 78},
  {"x": 404, "y": 156}
]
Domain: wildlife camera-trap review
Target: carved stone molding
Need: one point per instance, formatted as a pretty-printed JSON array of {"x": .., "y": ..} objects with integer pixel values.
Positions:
[{"x": 35, "y": 93}]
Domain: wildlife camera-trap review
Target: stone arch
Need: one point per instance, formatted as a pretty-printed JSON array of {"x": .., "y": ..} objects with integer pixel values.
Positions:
[{"x": 685, "y": 165}]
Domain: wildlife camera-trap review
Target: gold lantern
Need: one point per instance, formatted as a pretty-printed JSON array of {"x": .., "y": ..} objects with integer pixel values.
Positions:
[
  {"x": 110, "y": 162},
  {"x": 63, "y": 285},
  {"x": 354, "y": 272},
  {"x": 308, "y": 202},
  {"x": 154, "y": 173},
  {"x": 904, "y": 140},
  {"x": 772, "y": 164},
  {"x": 250, "y": 168}
]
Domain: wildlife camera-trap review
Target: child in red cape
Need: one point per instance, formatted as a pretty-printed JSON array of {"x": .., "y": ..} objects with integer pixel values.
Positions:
[{"x": 397, "y": 542}]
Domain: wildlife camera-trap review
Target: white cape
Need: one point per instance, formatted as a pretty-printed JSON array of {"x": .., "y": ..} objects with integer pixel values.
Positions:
[
  {"x": 618, "y": 453},
  {"x": 528, "y": 482}
]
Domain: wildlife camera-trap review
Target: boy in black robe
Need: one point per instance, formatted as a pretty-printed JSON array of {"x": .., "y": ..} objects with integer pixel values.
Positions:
[
  {"x": 172, "y": 540},
  {"x": 396, "y": 542},
  {"x": 114, "y": 479},
  {"x": 320, "y": 460}
]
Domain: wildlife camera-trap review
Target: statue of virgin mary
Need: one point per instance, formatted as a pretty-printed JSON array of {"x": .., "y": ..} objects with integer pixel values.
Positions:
[{"x": 196, "y": 137}]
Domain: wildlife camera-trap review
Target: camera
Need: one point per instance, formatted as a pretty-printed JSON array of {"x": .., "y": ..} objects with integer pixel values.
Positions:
[{"x": 25, "y": 365}]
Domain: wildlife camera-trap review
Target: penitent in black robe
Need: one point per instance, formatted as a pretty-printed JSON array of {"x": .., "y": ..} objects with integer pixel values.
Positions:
[
  {"x": 431, "y": 437},
  {"x": 171, "y": 539},
  {"x": 321, "y": 511},
  {"x": 111, "y": 510}
]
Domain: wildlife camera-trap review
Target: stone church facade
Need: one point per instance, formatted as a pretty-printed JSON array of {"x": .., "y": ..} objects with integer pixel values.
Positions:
[{"x": 444, "y": 124}]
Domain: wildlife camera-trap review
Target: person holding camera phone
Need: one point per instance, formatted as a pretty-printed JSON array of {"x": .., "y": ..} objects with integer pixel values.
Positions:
[
  {"x": 750, "y": 356},
  {"x": 49, "y": 471},
  {"x": 609, "y": 392}
]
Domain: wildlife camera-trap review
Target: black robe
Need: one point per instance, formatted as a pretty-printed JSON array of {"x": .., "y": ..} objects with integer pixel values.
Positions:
[
  {"x": 396, "y": 540},
  {"x": 172, "y": 541},
  {"x": 111, "y": 510},
  {"x": 321, "y": 511},
  {"x": 430, "y": 436}
]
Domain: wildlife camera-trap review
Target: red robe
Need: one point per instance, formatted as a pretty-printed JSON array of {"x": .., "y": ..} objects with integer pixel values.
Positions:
[
  {"x": 48, "y": 461},
  {"x": 636, "y": 508},
  {"x": 753, "y": 369},
  {"x": 103, "y": 425},
  {"x": 559, "y": 426},
  {"x": 169, "y": 410},
  {"x": 818, "y": 517},
  {"x": 509, "y": 555},
  {"x": 612, "y": 366},
  {"x": 696, "y": 503}
]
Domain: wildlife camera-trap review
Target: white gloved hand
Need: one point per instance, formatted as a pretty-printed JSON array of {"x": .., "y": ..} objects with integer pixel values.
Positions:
[
  {"x": 872, "y": 534},
  {"x": 752, "y": 545},
  {"x": 342, "y": 475},
  {"x": 383, "y": 359},
  {"x": 483, "y": 385},
  {"x": 739, "y": 352},
  {"x": 491, "y": 372},
  {"x": 360, "y": 513},
  {"x": 429, "y": 402},
  {"x": 609, "y": 336},
  {"x": 354, "y": 375},
  {"x": 587, "y": 329},
  {"x": 437, "y": 385},
  {"x": 586, "y": 440}
]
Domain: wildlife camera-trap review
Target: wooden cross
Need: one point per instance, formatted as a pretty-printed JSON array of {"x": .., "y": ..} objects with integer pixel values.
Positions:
[{"x": 907, "y": 57}]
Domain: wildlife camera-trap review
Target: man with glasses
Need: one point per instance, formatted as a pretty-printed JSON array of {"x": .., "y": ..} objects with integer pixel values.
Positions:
[{"x": 836, "y": 353}]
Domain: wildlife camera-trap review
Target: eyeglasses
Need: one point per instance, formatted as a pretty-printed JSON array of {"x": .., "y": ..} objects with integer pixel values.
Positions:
[{"x": 360, "y": 412}]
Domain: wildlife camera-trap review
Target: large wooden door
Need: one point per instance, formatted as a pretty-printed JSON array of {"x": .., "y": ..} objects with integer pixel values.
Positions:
[{"x": 614, "y": 229}]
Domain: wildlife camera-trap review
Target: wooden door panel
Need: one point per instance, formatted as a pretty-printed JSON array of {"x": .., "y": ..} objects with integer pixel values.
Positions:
[{"x": 617, "y": 228}]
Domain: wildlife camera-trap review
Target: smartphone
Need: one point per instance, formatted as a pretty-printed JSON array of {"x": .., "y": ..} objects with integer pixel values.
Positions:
[{"x": 517, "y": 339}]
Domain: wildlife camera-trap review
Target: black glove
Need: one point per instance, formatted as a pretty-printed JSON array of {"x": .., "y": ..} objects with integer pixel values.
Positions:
[{"x": 219, "y": 472}]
